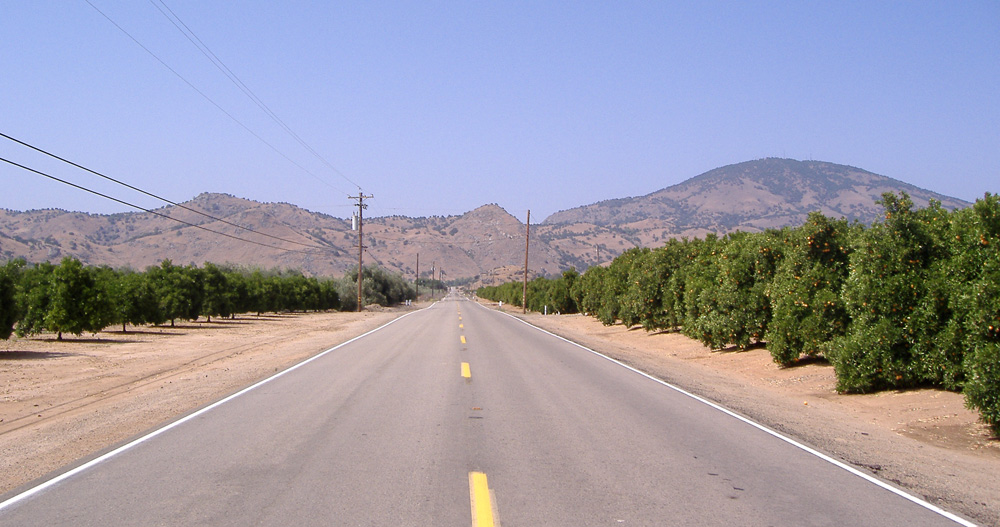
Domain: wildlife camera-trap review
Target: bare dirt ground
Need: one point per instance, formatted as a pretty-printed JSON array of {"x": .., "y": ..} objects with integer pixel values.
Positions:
[
  {"x": 924, "y": 441},
  {"x": 65, "y": 401}
]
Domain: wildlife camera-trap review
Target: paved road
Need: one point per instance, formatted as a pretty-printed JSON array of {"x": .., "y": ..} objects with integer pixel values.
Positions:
[{"x": 393, "y": 429}]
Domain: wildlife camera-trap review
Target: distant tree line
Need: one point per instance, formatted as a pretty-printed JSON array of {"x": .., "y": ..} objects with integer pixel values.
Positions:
[
  {"x": 72, "y": 298},
  {"x": 913, "y": 300}
]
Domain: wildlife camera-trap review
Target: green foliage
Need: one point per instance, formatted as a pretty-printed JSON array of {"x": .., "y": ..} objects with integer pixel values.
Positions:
[
  {"x": 71, "y": 298},
  {"x": 509, "y": 293},
  {"x": 180, "y": 290},
  {"x": 896, "y": 298},
  {"x": 9, "y": 313},
  {"x": 913, "y": 300},
  {"x": 544, "y": 294},
  {"x": 745, "y": 271},
  {"x": 587, "y": 290},
  {"x": 975, "y": 279},
  {"x": 33, "y": 298},
  {"x": 132, "y": 299},
  {"x": 700, "y": 299},
  {"x": 806, "y": 309},
  {"x": 558, "y": 293},
  {"x": 378, "y": 286},
  {"x": 217, "y": 295},
  {"x": 615, "y": 286},
  {"x": 75, "y": 303}
]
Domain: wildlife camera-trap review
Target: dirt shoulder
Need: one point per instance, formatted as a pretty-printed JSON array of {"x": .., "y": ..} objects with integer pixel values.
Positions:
[
  {"x": 924, "y": 441},
  {"x": 67, "y": 400}
]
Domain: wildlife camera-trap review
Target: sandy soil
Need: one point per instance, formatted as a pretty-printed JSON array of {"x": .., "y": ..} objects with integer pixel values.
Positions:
[
  {"x": 924, "y": 441},
  {"x": 70, "y": 400}
]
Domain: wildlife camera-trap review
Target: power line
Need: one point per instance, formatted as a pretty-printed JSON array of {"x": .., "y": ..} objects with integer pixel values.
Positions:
[
  {"x": 209, "y": 99},
  {"x": 150, "y": 194},
  {"x": 123, "y": 202},
  {"x": 222, "y": 67}
]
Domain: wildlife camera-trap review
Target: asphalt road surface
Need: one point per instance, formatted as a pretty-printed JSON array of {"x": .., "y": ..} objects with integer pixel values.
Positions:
[{"x": 460, "y": 415}]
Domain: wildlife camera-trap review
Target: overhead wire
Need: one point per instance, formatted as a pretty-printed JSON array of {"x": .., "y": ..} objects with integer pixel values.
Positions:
[
  {"x": 209, "y": 99},
  {"x": 150, "y": 211},
  {"x": 222, "y": 67},
  {"x": 150, "y": 194}
]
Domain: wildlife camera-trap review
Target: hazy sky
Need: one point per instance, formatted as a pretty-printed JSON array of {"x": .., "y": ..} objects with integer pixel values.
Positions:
[{"x": 440, "y": 107}]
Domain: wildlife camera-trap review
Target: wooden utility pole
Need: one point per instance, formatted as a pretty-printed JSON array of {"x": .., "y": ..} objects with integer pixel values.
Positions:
[
  {"x": 417, "y": 281},
  {"x": 527, "y": 238},
  {"x": 361, "y": 246}
]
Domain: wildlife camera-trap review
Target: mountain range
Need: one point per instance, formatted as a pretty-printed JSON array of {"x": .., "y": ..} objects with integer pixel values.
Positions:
[{"x": 483, "y": 245}]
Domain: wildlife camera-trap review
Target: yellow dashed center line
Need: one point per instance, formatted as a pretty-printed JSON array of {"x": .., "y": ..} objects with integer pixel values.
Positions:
[
  {"x": 463, "y": 339},
  {"x": 466, "y": 371},
  {"x": 482, "y": 505}
]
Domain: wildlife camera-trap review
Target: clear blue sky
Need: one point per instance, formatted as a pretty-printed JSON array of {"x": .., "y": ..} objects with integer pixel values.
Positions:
[{"x": 440, "y": 107}]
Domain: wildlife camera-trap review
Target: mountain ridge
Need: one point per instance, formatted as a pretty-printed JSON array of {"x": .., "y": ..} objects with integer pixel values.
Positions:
[
  {"x": 828, "y": 187},
  {"x": 482, "y": 245}
]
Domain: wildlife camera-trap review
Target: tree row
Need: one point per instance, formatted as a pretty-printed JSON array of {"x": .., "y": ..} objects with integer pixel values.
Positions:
[
  {"x": 72, "y": 298},
  {"x": 912, "y": 300}
]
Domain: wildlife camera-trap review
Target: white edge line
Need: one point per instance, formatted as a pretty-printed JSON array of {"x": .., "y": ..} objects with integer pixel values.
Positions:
[
  {"x": 65, "y": 475},
  {"x": 824, "y": 457}
]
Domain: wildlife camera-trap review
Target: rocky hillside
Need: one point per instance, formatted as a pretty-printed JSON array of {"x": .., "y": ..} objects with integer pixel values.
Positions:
[{"x": 485, "y": 244}]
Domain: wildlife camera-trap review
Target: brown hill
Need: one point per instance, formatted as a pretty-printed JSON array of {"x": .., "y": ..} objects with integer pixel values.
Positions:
[
  {"x": 753, "y": 195},
  {"x": 483, "y": 245}
]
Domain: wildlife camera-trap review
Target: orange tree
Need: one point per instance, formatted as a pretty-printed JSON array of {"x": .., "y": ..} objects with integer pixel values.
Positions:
[
  {"x": 806, "y": 309},
  {"x": 699, "y": 277},
  {"x": 9, "y": 275},
  {"x": 587, "y": 289},
  {"x": 894, "y": 296},
  {"x": 975, "y": 297},
  {"x": 732, "y": 306}
]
